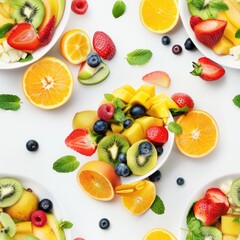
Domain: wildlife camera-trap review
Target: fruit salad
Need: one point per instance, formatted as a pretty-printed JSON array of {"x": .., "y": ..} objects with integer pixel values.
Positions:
[
  {"x": 24, "y": 215},
  {"x": 216, "y": 215},
  {"x": 26, "y": 26},
  {"x": 216, "y": 25}
]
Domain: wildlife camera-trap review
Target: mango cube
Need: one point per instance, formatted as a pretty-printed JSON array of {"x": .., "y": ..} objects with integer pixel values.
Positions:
[
  {"x": 148, "y": 121},
  {"x": 140, "y": 98},
  {"x": 229, "y": 227},
  {"x": 123, "y": 94},
  {"x": 159, "y": 110},
  {"x": 150, "y": 90},
  {"x": 116, "y": 128},
  {"x": 129, "y": 89}
]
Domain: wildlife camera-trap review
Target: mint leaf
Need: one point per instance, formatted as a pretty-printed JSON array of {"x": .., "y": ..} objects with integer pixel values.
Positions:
[
  {"x": 65, "y": 225},
  {"x": 198, "y": 3},
  {"x": 5, "y": 28},
  {"x": 158, "y": 206},
  {"x": 174, "y": 128},
  {"x": 178, "y": 111},
  {"x": 236, "y": 100},
  {"x": 9, "y": 102},
  {"x": 119, "y": 115},
  {"x": 29, "y": 57},
  {"x": 236, "y": 219},
  {"x": 237, "y": 34},
  {"x": 109, "y": 97},
  {"x": 66, "y": 164},
  {"x": 118, "y": 103},
  {"x": 139, "y": 56},
  {"x": 218, "y": 5},
  {"x": 118, "y": 9}
]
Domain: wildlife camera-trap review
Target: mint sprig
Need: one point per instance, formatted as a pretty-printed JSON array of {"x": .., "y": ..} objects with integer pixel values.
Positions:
[
  {"x": 118, "y": 9},
  {"x": 65, "y": 224},
  {"x": 237, "y": 34},
  {"x": 28, "y": 58},
  {"x": 5, "y": 28},
  {"x": 66, "y": 164},
  {"x": 158, "y": 206},
  {"x": 179, "y": 111},
  {"x": 218, "y": 5},
  {"x": 139, "y": 56},
  {"x": 9, "y": 102},
  {"x": 236, "y": 100},
  {"x": 174, "y": 128}
]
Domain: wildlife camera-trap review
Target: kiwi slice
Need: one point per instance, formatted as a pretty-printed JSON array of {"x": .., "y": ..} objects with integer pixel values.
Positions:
[
  {"x": 235, "y": 192},
  {"x": 31, "y": 11},
  {"x": 211, "y": 233},
  {"x": 110, "y": 147},
  {"x": 10, "y": 191},
  {"x": 142, "y": 157},
  {"x": 8, "y": 224}
]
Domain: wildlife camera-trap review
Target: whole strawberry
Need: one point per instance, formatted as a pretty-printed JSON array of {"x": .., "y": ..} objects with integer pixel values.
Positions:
[
  {"x": 104, "y": 45},
  {"x": 157, "y": 135},
  {"x": 182, "y": 100}
]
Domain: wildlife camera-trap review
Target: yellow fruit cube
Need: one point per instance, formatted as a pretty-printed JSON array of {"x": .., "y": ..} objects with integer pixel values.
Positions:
[
  {"x": 116, "y": 128},
  {"x": 123, "y": 94},
  {"x": 229, "y": 227},
  {"x": 150, "y": 90},
  {"x": 140, "y": 98},
  {"x": 24, "y": 227},
  {"x": 159, "y": 110},
  {"x": 170, "y": 103},
  {"x": 129, "y": 89},
  {"x": 223, "y": 46},
  {"x": 148, "y": 121}
]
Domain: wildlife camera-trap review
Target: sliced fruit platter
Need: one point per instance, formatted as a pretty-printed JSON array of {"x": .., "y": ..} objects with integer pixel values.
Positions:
[
  {"x": 29, "y": 211},
  {"x": 213, "y": 211},
  {"x": 214, "y": 26},
  {"x": 28, "y": 29}
]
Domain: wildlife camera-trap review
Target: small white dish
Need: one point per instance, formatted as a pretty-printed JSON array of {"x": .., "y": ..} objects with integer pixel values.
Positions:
[{"x": 226, "y": 60}]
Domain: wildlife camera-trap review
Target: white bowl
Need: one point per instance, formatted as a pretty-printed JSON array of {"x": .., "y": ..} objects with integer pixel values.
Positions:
[
  {"x": 217, "y": 182},
  {"x": 43, "y": 50},
  {"x": 226, "y": 60}
]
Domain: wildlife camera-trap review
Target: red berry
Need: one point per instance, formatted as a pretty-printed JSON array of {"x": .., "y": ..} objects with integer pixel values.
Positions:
[
  {"x": 194, "y": 20},
  {"x": 157, "y": 135},
  {"x": 182, "y": 100},
  {"x": 79, "y": 6},
  {"x": 38, "y": 218},
  {"x": 106, "y": 111}
]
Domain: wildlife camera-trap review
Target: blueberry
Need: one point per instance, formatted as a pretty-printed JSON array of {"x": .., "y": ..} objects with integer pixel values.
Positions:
[
  {"x": 122, "y": 169},
  {"x": 155, "y": 177},
  {"x": 45, "y": 205},
  {"x": 32, "y": 145},
  {"x": 180, "y": 181},
  {"x": 122, "y": 157},
  {"x": 176, "y": 49},
  {"x": 104, "y": 223},
  {"x": 93, "y": 59},
  {"x": 127, "y": 123},
  {"x": 145, "y": 148},
  {"x": 159, "y": 150},
  {"x": 189, "y": 45},
  {"x": 137, "y": 111},
  {"x": 100, "y": 126},
  {"x": 166, "y": 40}
]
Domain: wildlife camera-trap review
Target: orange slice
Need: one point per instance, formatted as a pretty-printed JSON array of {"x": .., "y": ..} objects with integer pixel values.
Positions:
[
  {"x": 48, "y": 83},
  {"x": 159, "y": 16},
  {"x": 98, "y": 179},
  {"x": 75, "y": 45},
  {"x": 130, "y": 189},
  {"x": 159, "y": 233},
  {"x": 141, "y": 201},
  {"x": 199, "y": 134}
]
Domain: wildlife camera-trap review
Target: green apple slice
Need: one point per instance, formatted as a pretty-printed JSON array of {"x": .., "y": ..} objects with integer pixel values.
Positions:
[{"x": 87, "y": 71}]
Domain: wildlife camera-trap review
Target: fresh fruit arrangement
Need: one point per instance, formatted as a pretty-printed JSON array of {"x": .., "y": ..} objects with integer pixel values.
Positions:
[
  {"x": 24, "y": 216},
  {"x": 216, "y": 214},
  {"x": 26, "y": 26}
]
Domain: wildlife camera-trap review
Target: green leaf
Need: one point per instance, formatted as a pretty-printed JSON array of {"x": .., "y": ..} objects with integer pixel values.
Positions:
[
  {"x": 109, "y": 97},
  {"x": 237, "y": 34},
  {"x": 26, "y": 59},
  {"x": 5, "y": 28},
  {"x": 65, "y": 225},
  {"x": 118, "y": 103},
  {"x": 174, "y": 128},
  {"x": 218, "y": 5},
  {"x": 236, "y": 219},
  {"x": 198, "y": 3},
  {"x": 236, "y": 100},
  {"x": 9, "y": 102},
  {"x": 139, "y": 56},
  {"x": 66, "y": 164},
  {"x": 178, "y": 111},
  {"x": 119, "y": 115},
  {"x": 158, "y": 206},
  {"x": 118, "y": 9}
]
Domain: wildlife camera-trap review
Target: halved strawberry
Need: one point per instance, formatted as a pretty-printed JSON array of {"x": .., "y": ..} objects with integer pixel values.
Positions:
[
  {"x": 157, "y": 135},
  {"x": 157, "y": 77},
  {"x": 209, "y": 32},
  {"x": 194, "y": 20},
  {"x": 182, "y": 100},
  {"x": 23, "y": 36}
]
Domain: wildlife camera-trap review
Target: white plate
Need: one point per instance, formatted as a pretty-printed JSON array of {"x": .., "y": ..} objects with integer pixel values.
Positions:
[
  {"x": 43, "y": 50},
  {"x": 41, "y": 192},
  {"x": 226, "y": 60},
  {"x": 199, "y": 193}
]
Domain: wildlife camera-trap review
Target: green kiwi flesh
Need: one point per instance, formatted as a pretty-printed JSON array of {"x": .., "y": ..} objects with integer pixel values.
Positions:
[
  {"x": 141, "y": 164},
  {"x": 10, "y": 191},
  {"x": 8, "y": 224},
  {"x": 110, "y": 147},
  {"x": 211, "y": 232},
  {"x": 5, "y": 236},
  {"x": 30, "y": 11},
  {"x": 235, "y": 192}
]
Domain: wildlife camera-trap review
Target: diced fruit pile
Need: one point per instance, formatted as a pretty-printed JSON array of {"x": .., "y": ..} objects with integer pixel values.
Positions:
[
  {"x": 26, "y": 26},
  {"x": 217, "y": 213},
  {"x": 24, "y": 216}
]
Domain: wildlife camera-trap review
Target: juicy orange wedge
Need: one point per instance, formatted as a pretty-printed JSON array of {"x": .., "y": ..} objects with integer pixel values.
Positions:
[{"x": 159, "y": 233}]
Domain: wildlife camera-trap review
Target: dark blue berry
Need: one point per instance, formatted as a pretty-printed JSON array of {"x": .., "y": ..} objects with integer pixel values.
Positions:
[
  {"x": 159, "y": 150},
  {"x": 180, "y": 181},
  {"x": 176, "y": 49},
  {"x": 32, "y": 145},
  {"x": 137, "y": 111},
  {"x": 127, "y": 123},
  {"x": 45, "y": 205},
  {"x": 122, "y": 169},
  {"x": 155, "y": 177},
  {"x": 166, "y": 40},
  {"x": 104, "y": 223},
  {"x": 100, "y": 126},
  {"x": 145, "y": 148},
  {"x": 93, "y": 59},
  {"x": 122, "y": 157},
  {"x": 189, "y": 45}
]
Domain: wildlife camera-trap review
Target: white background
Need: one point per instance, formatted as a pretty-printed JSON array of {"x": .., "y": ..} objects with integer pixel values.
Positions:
[{"x": 50, "y": 128}]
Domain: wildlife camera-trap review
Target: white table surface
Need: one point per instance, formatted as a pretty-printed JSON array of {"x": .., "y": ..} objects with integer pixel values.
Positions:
[{"x": 50, "y": 128}]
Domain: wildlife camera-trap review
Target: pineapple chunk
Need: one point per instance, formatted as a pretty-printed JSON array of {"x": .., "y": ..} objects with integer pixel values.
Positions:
[
  {"x": 228, "y": 226},
  {"x": 150, "y": 90},
  {"x": 159, "y": 110},
  {"x": 140, "y": 98},
  {"x": 24, "y": 227},
  {"x": 123, "y": 94},
  {"x": 147, "y": 122}
]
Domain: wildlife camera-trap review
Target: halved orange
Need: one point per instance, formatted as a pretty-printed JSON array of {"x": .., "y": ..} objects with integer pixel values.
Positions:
[
  {"x": 159, "y": 233},
  {"x": 141, "y": 201},
  {"x": 98, "y": 179},
  {"x": 48, "y": 83},
  {"x": 75, "y": 45},
  {"x": 159, "y": 16},
  {"x": 199, "y": 134}
]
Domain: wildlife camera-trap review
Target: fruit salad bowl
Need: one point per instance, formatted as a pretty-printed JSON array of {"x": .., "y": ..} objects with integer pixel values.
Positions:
[
  {"x": 225, "y": 60},
  {"x": 60, "y": 24}
]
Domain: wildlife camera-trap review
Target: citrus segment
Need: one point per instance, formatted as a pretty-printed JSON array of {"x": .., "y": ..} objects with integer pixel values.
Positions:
[
  {"x": 48, "y": 83},
  {"x": 98, "y": 179},
  {"x": 159, "y": 16},
  {"x": 199, "y": 134},
  {"x": 75, "y": 45},
  {"x": 159, "y": 233},
  {"x": 141, "y": 201},
  {"x": 130, "y": 189}
]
